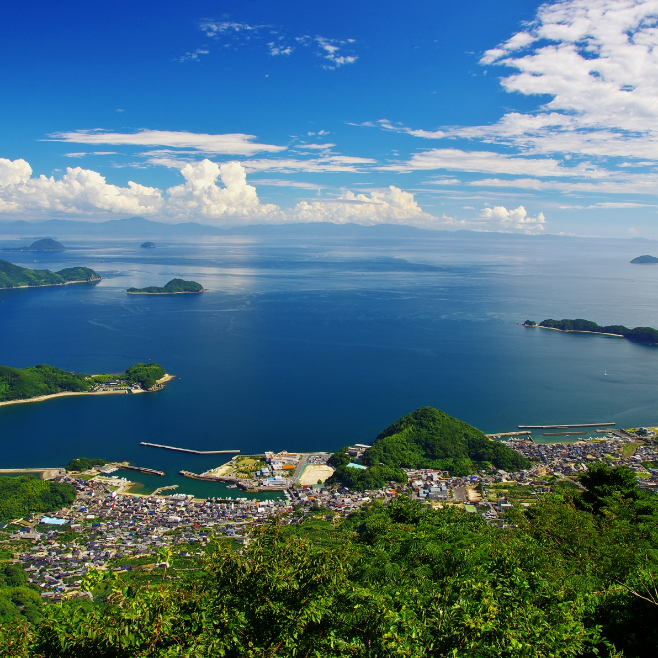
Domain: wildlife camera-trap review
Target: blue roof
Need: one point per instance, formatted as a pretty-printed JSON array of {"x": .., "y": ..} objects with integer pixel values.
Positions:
[
  {"x": 359, "y": 466},
  {"x": 50, "y": 521}
]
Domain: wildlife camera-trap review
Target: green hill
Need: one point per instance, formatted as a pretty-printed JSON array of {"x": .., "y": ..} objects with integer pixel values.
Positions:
[
  {"x": 174, "y": 286},
  {"x": 45, "y": 244},
  {"x": 426, "y": 438},
  {"x": 15, "y": 276}
]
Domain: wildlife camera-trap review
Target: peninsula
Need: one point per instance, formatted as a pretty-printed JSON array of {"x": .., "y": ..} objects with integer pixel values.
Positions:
[
  {"x": 174, "y": 287},
  {"x": 644, "y": 260},
  {"x": 15, "y": 276},
  {"x": 638, "y": 334},
  {"x": 42, "y": 382}
]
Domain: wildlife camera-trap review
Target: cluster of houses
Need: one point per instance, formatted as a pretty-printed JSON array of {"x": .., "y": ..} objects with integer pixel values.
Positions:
[{"x": 112, "y": 528}]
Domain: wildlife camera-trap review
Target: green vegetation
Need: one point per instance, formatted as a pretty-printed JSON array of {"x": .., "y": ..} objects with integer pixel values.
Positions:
[
  {"x": 645, "y": 260},
  {"x": 426, "y": 438},
  {"x": 574, "y": 578},
  {"x": 26, "y": 383},
  {"x": 145, "y": 374},
  {"x": 14, "y": 276},
  {"x": 25, "y": 494},
  {"x": 84, "y": 464},
  {"x": 17, "y": 597},
  {"x": 173, "y": 287},
  {"x": 638, "y": 334}
]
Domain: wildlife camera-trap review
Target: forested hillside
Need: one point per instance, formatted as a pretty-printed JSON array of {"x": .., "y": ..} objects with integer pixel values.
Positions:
[
  {"x": 426, "y": 438},
  {"x": 15, "y": 276},
  {"x": 574, "y": 576},
  {"x": 25, "y": 383},
  {"x": 26, "y": 494}
]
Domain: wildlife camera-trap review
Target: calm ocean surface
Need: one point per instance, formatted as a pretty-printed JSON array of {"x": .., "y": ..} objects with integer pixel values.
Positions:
[{"x": 305, "y": 344}]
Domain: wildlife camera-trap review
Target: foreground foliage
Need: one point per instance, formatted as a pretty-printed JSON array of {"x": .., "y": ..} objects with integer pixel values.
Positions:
[{"x": 576, "y": 578}]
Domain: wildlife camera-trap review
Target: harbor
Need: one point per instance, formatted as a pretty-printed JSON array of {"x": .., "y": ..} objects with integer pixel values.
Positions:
[{"x": 565, "y": 426}]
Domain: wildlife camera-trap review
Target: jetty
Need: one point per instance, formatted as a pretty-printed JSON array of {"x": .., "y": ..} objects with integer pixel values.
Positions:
[
  {"x": 497, "y": 435},
  {"x": 141, "y": 469},
  {"x": 195, "y": 452},
  {"x": 562, "y": 433},
  {"x": 563, "y": 427}
]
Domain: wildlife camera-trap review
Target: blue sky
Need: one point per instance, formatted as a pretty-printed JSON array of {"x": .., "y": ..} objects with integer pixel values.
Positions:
[{"x": 512, "y": 116}]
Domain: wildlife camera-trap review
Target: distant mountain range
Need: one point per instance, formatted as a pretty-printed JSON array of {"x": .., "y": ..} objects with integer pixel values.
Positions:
[{"x": 141, "y": 228}]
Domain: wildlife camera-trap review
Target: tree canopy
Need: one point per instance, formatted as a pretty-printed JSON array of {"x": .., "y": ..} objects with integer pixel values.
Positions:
[
  {"x": 426, "y": 438},
  {"x": 25, "y": 494},
  {"x": 396, "y": 580},
  {"x": 638, "y": 334},
  {"x": 15, "y": 276},
  {"x": 174, "y": 286}
]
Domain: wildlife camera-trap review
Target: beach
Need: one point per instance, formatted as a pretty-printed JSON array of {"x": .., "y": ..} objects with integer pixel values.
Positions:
[{"x": 41, "y": 398}]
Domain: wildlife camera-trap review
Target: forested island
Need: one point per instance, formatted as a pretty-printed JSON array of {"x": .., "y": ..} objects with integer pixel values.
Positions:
[
  {"x": 15, "y": 276},
  {"x": 426, "y": 438},
  {"x": 44, "y": 380},
  {"x": 645, "y": 260},
  {"x": 147, "y": 245},
  {"x": 44, "y": 244},
  {"x": 638, "y": 334},
  {"x": 174, "y": 287}
]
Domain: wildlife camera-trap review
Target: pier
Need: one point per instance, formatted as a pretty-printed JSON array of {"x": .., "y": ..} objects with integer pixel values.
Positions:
[
  {"x": 562, "y": 433},
  {"x": 141, "y": 469},
  {"x": 563, "y": 427},
  {"x": 195, "y": 452},
  {"x": 499, "y": 434}
]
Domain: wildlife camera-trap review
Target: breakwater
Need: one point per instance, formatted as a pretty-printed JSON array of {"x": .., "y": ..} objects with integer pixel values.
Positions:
[
  {"x": 141, "y": 469},
  {"x": 564, "y": 426},
  {"x": 195, "y": 452}
]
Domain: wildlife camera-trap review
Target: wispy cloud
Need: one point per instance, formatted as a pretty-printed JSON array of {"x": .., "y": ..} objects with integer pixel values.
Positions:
[
  {"x": 228, "y": 144},
  {"x": 275, "y": 41}
]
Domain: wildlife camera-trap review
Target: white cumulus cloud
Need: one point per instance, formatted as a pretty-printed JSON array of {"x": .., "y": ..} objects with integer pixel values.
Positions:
[
  {"x": 79, "y": 191},
  {"x": 393, "y": 206},
  {"x": 516, "y": 219},
  {"x": 201, "y": 198}
]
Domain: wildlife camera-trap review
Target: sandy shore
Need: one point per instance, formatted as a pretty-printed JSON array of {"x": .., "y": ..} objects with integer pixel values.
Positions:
[
  {"x": 314, "y": 472},
  {"x": 576, "y": 331},
  {"x": 181, "y": 292},
  {"x": 41, "y": 398},
  {"x": 49, "y": 285}
]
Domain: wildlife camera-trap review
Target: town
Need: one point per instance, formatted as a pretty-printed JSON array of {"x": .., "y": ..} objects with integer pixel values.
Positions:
[{"x": 108, "y": 528}]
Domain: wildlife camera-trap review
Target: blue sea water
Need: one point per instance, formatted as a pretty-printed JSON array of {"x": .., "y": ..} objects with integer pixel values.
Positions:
[{"x": 310, "y": 344}]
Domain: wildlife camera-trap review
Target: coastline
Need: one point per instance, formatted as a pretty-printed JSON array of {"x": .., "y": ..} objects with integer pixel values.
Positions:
[
  {"x": 573, "y": 331},
  {"x": 50, "y": 285},
  {"x": 182, "y": 292},
  {"x": 42, "y": 398}
]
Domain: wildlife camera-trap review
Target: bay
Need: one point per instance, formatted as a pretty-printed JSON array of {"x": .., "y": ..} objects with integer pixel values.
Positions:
[{"x": 310, "y": 344}]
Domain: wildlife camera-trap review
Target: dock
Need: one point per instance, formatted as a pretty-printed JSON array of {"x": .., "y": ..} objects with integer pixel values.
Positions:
[
  {"x": 141, "y": 469},
  {"x": 563, "y": 433},
  {"x": 499, "y": 434},
  {"x": 195, "y": 452},
  {"x": 563, "y": 427}
]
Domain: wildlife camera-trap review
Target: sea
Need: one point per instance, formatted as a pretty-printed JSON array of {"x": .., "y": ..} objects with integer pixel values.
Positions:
[{"x": 312, "y": 343}]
